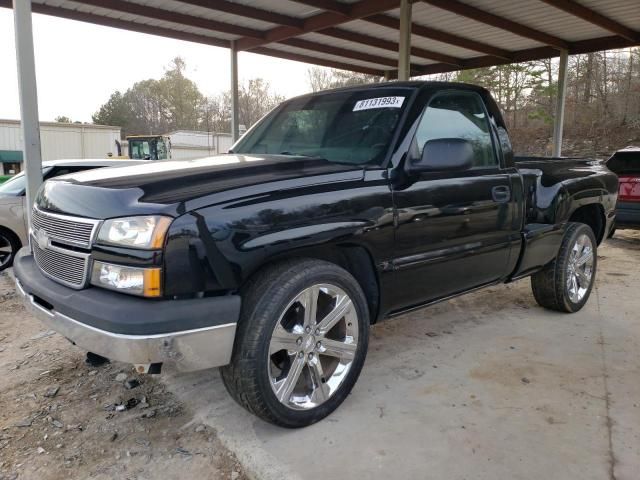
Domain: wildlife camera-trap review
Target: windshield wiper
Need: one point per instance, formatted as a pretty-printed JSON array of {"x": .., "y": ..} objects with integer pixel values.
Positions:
[
  {"x": 294, "y": 154},
  {"x": 317, "y": 157}
]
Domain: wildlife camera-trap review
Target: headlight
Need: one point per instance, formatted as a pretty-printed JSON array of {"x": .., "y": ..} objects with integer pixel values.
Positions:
[
  {"x": 137, "y": 232},
  {"x": 134, "y": 280}
]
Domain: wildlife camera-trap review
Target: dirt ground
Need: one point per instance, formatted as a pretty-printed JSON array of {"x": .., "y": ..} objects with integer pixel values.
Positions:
[{"x": 62, "y": 418}]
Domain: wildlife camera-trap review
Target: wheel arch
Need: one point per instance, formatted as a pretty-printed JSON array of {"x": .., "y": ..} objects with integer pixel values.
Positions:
[
  {"x": 592, "y": 215},
  {"x": 354, "y": 258}
]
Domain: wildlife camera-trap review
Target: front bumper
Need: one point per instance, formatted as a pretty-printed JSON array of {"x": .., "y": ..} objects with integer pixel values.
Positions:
[{"x": 185, "y": 335}]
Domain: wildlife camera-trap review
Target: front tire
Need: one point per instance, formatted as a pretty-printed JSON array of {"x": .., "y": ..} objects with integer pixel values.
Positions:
[
  {"x": 301, "y": 343},
  {"x": 9, "y": 246},
  {"x": 566, "y": 283}
]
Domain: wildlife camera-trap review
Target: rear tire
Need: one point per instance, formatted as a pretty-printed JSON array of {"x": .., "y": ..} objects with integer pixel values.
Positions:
[
  {"x": 301, "y": 342},
  {"x": 565, "y": 284}
]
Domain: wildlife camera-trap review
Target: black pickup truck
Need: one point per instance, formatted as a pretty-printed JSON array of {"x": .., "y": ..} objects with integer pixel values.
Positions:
[{"x": 336, "y": 210}]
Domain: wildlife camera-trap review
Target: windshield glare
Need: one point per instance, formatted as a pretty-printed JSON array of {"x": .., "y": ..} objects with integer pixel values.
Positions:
[
  {"x": 345, "y": 127},
  {"x": 16, "y": 184}
]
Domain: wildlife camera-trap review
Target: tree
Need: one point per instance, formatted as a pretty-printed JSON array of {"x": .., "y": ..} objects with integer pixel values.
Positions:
[
  {"x": 155, "y": 106},
  {"x": 323, "y": 79},
  {"x": 180, "y": 100},
  {"x": 216, "y": 114},
  {"x": 62, "y": 119},
  {"x": 255, "y": 99},
  {"x": 147, "y": 108},
  {"x": 114, "y": 112}
]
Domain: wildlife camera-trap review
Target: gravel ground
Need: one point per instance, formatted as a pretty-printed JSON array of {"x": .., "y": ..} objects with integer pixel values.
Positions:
[{"x": 61, "y": 418}]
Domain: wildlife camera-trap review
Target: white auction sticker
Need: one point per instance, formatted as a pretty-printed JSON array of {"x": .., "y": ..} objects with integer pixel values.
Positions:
[{"x": 380, "y": 102}]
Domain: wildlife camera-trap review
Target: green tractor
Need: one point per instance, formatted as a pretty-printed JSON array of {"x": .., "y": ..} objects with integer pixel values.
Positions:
[{"x": 149, "y": 147}]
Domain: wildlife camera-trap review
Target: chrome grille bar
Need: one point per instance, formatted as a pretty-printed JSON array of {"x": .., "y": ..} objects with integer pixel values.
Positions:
[
  {"x": 65, "y": 266},
  {"x": 74, "y": 231}
]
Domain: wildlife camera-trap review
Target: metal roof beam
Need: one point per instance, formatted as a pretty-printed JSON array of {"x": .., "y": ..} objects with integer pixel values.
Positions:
[
  {"x": 538, "y": 53},
  {"x": 122, "y": 24},
  {"x": 426, "y": 32},
  {"x": 339, "y": 52},
  {"x": 357, "y": 10},
  {"x": 595, "y": 18},
  {"x": 329, "y": 5},
  {"x": 502, "y": 23},
  {"x": 174, "y": 17},
  {"x": 378, "y": 42},
  {"x": 440, "y": 36},
  {"x": 186, "y": 36},
  {"x": 247, "y": 11},
  {"x": 297, "y": 57},
  {"x": 183, "y": 19}
]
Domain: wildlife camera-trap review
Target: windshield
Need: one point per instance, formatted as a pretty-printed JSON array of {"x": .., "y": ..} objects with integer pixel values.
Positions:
[
  {"x": 345, "y": 127},
  {"x": 16, "y": 184},
  {"x": 147, "y": 149}
]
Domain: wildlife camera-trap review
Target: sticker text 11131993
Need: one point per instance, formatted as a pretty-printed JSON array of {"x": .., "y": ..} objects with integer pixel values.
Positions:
[{"x": 380, "y": 102}]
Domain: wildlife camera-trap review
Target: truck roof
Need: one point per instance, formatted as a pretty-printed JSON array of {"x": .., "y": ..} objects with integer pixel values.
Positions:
[{"x": 407, "y": 84}]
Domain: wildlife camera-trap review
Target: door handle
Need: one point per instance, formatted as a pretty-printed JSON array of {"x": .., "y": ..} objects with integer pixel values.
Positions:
[{"x": 501, "y": 194}]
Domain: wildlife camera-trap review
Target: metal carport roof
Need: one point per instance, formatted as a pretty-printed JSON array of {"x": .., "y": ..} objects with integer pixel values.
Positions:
[
  {"x": 391, "y": 38},
  {"x": 363, "y": 35}
]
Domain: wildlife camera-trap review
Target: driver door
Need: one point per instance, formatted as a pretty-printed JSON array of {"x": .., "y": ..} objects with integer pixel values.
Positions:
[{"x": 455, "y": 228}]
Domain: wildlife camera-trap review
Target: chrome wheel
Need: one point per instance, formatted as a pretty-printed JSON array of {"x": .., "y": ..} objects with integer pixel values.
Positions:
[
  {"x": 313, "y": 346},
  {"x": 6, "y": 250},
  {"x": 580, "y": 268}
]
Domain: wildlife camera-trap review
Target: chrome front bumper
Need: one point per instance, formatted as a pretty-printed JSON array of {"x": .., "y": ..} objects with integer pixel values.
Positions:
[{"x": 183, "y": 350}]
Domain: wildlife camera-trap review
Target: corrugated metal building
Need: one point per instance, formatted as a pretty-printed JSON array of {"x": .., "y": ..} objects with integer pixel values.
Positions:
[
  {"x": 187, "y": 144},
  {"x": 59, "y": 141}
]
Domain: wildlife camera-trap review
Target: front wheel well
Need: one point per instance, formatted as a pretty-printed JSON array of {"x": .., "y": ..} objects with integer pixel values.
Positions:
[
  {"x": 593, "y": 216},
  {"x": 355, "y": 259}
]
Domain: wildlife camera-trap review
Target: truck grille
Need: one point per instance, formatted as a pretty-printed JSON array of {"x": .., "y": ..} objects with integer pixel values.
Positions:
[
  {"x": 72, "y": 230},
  {"x": 68, "y": 268},
  {"x": 51, "y": 233}
]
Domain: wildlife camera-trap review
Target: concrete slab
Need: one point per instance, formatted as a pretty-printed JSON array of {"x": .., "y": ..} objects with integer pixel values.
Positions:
[{"x": 486, "y": 386}]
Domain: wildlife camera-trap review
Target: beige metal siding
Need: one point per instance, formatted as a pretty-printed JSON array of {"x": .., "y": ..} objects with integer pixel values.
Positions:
[{"x": 64, "y": 141}]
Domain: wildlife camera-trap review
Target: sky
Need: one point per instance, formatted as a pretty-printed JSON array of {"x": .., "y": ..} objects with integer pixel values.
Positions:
[{"x": 79, "y": 65}]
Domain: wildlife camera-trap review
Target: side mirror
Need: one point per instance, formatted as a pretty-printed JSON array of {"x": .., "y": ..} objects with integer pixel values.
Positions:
[{"x": 443, "y": 155}]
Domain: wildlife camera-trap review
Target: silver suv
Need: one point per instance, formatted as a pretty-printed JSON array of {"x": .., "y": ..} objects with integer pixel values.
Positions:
[{"x": 13, "y": 221}]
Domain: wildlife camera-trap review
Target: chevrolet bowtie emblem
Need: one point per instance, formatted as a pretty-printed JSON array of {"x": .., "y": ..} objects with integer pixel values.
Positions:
[{"x": 42, "y": 238}]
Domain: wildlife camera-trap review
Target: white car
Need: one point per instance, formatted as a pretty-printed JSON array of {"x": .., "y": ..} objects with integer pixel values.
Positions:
[{"x": 13, "y": 222}]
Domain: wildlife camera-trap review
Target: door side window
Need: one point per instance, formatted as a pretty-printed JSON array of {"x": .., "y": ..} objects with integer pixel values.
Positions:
[{"x": 458, "y": 115}]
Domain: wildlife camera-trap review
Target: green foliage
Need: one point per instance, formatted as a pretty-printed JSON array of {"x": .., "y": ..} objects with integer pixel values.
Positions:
[
  {"x": 62, "y": 119},
  {"x": 155, "y": 106},
  {"x": 180, "y": 101},
  {"x": 115, "y": 112},
  {"x": 174, "y": 102},
  {"x": 603, "y": 95}
]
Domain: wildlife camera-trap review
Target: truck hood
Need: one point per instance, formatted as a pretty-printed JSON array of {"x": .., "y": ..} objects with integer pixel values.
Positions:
[{"x": 176, "y": 187}]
